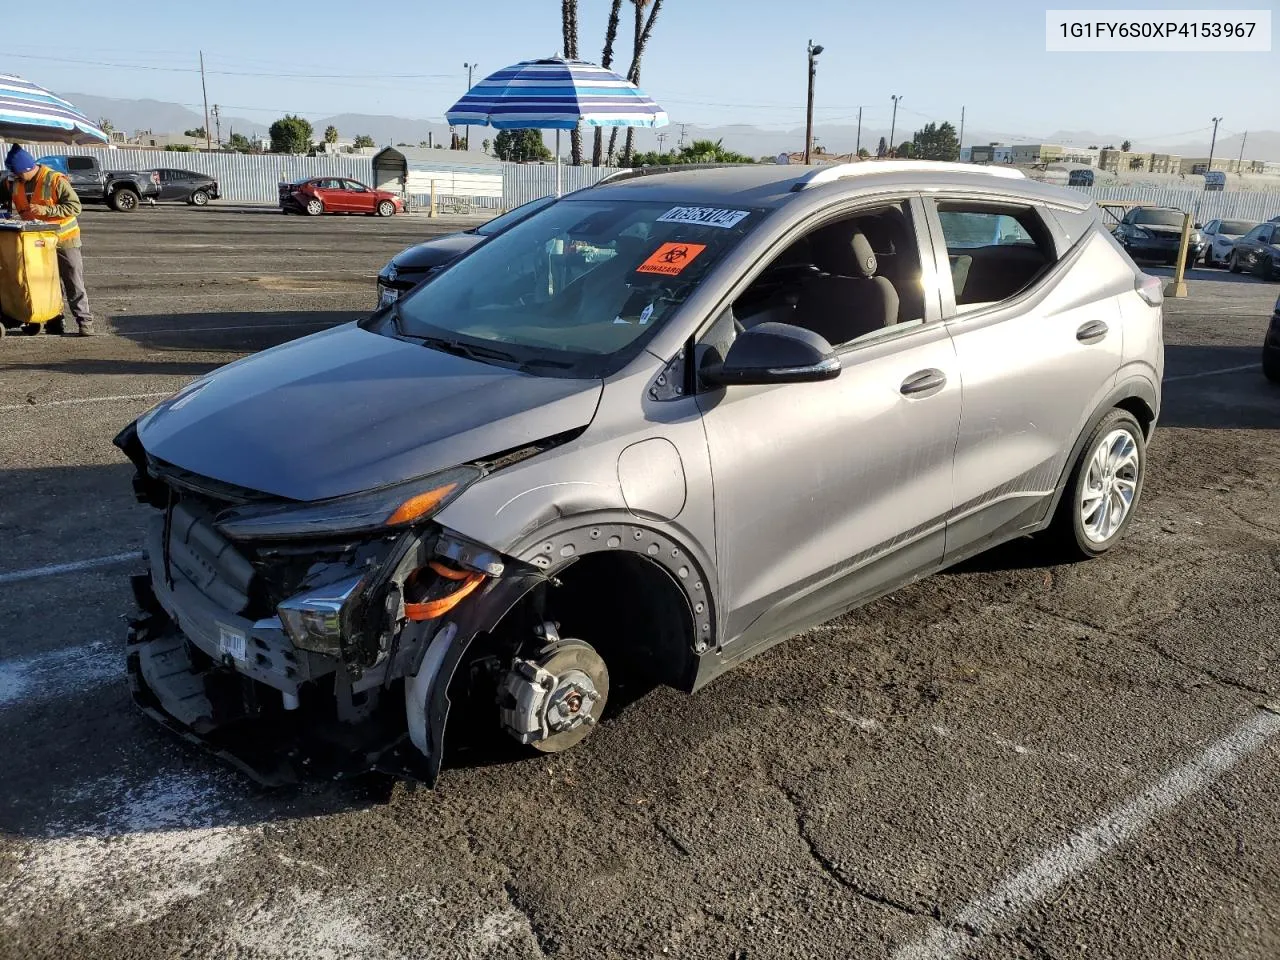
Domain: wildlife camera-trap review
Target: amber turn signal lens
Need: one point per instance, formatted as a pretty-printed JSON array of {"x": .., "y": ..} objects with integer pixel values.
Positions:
[{"x": 415, "y": 507}]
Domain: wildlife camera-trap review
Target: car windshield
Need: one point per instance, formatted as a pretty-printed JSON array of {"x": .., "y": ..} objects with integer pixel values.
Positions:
[
  {"x": 502, "y": 222},
  {"x": 1237, "y": 228},
  {"x": 576, "y": 289},
  {"x": 1159, "y": 218}
]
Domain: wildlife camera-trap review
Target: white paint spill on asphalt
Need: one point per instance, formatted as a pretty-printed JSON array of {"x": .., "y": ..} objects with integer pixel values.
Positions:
[
  {"x": 75, "y": 566},
  {"x": 58, "y": 673},
  {"x": 320, "y": 926},
  {"x": 140, "y": 850},
  {"x": 1076, "y": 855}
]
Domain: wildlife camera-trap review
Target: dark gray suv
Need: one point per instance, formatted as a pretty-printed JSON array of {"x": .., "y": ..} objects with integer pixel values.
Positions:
[{"x": 644, "y": 434}]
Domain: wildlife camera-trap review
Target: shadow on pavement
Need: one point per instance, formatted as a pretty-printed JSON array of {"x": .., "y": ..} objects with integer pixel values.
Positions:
[
  {"x": 1203, "y": 274},
  {"x": 236, "y": 332},
  {"x": 1240, "y": 399}
]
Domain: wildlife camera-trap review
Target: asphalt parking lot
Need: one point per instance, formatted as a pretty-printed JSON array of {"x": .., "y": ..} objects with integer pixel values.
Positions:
[{"x": 1005, "y": 761}]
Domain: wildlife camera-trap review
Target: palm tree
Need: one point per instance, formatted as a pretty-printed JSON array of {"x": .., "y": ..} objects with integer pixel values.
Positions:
[
  {"x": 643, "y": 29},
  {"x": 606, "y": 61},
  {"x": 569, "y": 27}
]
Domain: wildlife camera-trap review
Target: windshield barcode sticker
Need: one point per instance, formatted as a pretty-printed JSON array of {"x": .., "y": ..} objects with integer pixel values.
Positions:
[{"x": 704, "y": 216}]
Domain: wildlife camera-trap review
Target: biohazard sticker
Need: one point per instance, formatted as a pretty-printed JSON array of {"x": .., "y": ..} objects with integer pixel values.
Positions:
[
  {"x": 670, "y": 259},
  {"x": 705, "y": 216}
]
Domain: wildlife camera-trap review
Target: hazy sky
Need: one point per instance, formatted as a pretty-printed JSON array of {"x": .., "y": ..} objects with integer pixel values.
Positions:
[{"x": 710, "y": 62}]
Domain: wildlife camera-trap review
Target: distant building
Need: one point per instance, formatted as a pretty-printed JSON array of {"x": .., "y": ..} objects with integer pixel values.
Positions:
[
  {"x": 1122, "y": 161},
  {"x": 1085, "y": 155},
  {"x": 1201, "y": 165},
  {"x": 1031, "y": 153},
  {"x": 158, "y": 141},
  {"x": 1165, "y": 163},
  {"x": 990, "y": 153}
]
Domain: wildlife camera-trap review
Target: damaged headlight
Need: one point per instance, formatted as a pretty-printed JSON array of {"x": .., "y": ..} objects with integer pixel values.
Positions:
[
  {"x": 371, "y": 512},
  {"x": 317, "y": 620}
]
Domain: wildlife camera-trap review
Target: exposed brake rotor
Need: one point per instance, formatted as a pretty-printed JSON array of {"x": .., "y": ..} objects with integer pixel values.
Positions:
[{"x": 554, "y": 698}]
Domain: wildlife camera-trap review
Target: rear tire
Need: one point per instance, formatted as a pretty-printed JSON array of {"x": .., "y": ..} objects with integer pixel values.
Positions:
[
  {"x": 124, "y": 200},
  {"x": 314, "y": 208},
  {"x": 1093, "y": 511},
  {"x": 199, "y": 199}
]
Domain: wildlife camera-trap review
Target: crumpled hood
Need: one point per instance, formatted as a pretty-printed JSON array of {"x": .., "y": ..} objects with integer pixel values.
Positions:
[
  {"x": 348, "y": 410},
  {"x": 434, "y": 252}
]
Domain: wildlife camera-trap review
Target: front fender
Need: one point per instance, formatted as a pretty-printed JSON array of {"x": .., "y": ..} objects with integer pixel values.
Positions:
[{"x": 533, "y": 561}]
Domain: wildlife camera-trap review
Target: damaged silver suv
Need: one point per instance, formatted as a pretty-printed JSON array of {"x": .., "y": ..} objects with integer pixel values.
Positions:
[{"x": 643, "y": 435}]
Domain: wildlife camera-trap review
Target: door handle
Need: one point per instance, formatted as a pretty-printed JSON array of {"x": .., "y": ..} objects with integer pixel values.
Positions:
[
  {"x": 923, "y": 382},
  {"x": 1092, "y": 332}
]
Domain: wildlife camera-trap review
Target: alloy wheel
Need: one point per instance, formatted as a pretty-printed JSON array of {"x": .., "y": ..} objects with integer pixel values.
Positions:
[{"x": 1110, "y": 484}]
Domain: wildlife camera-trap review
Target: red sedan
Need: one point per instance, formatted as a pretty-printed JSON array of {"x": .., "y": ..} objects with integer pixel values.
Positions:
[{"x": 317, "y": 195}]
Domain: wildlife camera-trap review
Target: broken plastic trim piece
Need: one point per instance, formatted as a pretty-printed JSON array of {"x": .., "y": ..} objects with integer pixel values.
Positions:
[{"x": 433, "y": 609}]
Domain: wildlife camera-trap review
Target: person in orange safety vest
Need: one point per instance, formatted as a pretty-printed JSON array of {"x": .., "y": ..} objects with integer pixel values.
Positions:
[{"x": 37, "y": 192}]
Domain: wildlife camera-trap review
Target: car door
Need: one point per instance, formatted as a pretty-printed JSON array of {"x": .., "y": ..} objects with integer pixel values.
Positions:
[
  {"x": 84, "y": 177},
  {"x": 170, "y": 184},
  {"x": 827, "y": 492},
  {"x": 326, "y": 189},
  {"x": 360, "y": 199},
  {"x": 1038, "y": 350}
]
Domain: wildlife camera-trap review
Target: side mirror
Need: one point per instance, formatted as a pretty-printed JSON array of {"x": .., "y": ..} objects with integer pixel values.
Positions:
[
  {"x": 1197, "y": 226},
  {"x": 775, "y": 353}
]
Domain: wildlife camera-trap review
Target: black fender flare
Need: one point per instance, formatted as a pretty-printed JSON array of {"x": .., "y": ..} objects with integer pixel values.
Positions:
[
  {"x": 1132, "y": 388},
  {"x": 535, "y": 560}
]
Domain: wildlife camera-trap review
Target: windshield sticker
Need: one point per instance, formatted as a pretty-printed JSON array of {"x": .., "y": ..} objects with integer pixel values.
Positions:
[
  {"x": 645, "y": 314},
  {"x": 670, "y": 259},
  {"x": 704, "y": 216}
]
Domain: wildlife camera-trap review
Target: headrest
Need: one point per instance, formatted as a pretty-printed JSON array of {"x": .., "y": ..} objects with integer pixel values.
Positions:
[{"x": 863, "y": 255}]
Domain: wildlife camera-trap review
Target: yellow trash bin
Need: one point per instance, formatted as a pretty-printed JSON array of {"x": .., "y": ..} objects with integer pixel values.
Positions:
[{"x": 30, "y": 289}]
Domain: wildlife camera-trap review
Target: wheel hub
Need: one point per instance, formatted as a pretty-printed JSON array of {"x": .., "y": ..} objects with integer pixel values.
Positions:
[{"x": 554, "y": 698}]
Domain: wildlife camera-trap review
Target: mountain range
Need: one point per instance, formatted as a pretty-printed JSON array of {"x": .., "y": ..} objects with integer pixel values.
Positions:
[{"x": 163, "y": 117}]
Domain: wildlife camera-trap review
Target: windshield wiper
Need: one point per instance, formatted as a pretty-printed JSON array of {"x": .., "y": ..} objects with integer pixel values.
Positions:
[{"x": 470, "y": 350}]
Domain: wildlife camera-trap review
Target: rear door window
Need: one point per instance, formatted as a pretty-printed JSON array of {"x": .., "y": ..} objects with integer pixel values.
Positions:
[
  {"x": 80, "y": 164},
  {"x": 995, "y": 251}
]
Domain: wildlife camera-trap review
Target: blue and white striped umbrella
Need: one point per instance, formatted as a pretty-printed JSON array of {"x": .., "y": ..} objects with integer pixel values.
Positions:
[
  {"x": 33, "y": 114},
  {"x": 555, "y": 94}
]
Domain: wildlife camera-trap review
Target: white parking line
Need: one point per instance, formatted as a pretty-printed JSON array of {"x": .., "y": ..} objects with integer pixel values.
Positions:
[
  {"x": 76, "y": 401},
  {"x": 1211, "y": 373},
  {"x": 1074, "y": 856},
  {"x": 34, "y": 573}
]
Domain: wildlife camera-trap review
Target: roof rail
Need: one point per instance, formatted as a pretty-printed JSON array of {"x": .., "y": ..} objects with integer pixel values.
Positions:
[{"x": 839, "y": 171}]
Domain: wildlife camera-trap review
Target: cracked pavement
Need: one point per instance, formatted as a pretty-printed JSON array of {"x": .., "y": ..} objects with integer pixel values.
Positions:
[{"x": 855, "y": 791}]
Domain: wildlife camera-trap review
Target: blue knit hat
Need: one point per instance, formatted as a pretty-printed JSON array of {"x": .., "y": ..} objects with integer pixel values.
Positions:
[{"x": 18, "y": 160}]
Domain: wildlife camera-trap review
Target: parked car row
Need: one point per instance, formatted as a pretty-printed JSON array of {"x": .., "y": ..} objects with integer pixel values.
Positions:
[{"x": 1155, "y": 233}]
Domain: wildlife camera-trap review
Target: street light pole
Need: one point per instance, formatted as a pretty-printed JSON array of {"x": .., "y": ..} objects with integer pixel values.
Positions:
[
  {"x": 893, "y": 125},
  {"x": 470, "y": 67},
  {"x": 1213, "y": 143},
  {"x": 808, "y": 114}
]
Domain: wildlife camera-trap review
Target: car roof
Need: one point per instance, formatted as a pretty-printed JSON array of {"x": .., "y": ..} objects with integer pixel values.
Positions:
[{"x": 770, "y": 185}]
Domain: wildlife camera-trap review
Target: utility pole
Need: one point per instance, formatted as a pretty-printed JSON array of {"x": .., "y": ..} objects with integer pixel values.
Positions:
[
  {"x": 960, "y": 142},
  {"x": 204, "y": 90},
  {"x": 1213, "y": 143},
  {"x": 1240, "y": 162},
  {"x": 858, "y": 149},
  {"x": 470, "y": 67},
  {"x": 217, "y": 121},
  {"x": 662, "y": 138},
  {"x": 893, "y": 125},
  {"x": 680, "y": 142},
  {"x": 808, "y": 114}
]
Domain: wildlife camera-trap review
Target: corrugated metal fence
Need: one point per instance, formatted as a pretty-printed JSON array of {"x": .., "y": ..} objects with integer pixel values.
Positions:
[
  {"x": 1204, "y": 205},
  {"x": 253, "y": 178}
]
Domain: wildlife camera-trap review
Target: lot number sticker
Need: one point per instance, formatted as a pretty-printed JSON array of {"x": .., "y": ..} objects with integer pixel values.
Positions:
[
  {"x": 704, "y": 216},
  {"x": 670, "y": 259},
  {"x": 231, "y": 641}
]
